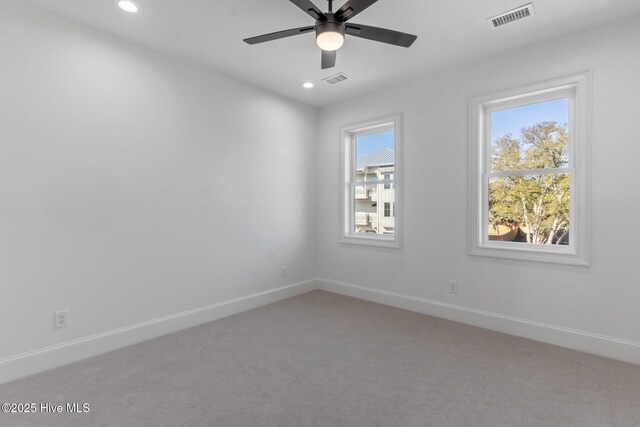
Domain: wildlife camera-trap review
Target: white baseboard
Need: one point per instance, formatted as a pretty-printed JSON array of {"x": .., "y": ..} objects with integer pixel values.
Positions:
[
  {"x": 43, "y": 359},
  {"x": 601, "y": 345}
]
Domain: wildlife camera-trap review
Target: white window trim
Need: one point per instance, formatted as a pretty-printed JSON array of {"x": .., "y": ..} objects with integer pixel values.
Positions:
[
  {"x": 347, "y": 154},
  {"x": 578, "y": 252}
]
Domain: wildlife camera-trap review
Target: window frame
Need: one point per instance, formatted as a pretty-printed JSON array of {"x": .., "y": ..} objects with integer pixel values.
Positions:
[
  {"x": 348, "y": 134},
  {"x": 577, "y": 88}
]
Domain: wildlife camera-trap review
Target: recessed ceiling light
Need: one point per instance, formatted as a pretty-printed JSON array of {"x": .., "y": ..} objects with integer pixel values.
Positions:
[
  {"x": 127, "y": 6},
  {"x": 307, "y": 85}
]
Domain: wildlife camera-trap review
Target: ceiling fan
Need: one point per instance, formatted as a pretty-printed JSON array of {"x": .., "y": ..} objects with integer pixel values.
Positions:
[{"x": 331, "y": 28}]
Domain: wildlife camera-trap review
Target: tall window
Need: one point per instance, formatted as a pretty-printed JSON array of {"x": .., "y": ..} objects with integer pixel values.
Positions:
[
  {"x": 529, "y": 190},
  {"x": 370, "y": 158}
]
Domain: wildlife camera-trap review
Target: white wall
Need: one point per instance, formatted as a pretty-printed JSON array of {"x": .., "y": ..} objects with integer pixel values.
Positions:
[
  {"x": 603, "y": 299},
  {"x": 135, "y": 186}
]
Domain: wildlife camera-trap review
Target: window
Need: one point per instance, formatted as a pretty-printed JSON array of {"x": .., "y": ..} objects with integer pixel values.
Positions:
[
  {"x": 370, "y": 176},
  {"x": 387, "y": 177},
  {"x": 528, "y": 189}
]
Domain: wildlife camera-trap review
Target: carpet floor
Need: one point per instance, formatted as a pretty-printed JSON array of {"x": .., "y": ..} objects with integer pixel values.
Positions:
[{"x": 322, "y": 359}]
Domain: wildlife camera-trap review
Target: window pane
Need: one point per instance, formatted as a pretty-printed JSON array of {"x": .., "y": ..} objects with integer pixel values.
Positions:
[
  {"x": 533, "y": 136},
  {"x": 372, "y": 210},
  {"x": 375, "y": 155},
  {"x": 530, "y": 209}
]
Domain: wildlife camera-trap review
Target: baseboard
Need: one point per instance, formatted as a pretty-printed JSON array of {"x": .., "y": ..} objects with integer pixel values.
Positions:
[
  {"x": 601, "y": 345},
  {"x": 43, "y": 359}
]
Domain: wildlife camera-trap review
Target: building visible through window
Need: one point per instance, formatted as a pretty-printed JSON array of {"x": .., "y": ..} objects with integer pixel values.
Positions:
[{"x": 375, "y": 162}]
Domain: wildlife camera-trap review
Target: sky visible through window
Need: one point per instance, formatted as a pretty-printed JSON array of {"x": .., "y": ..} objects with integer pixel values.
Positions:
[
  {"x": 366, "y": 144},
  {"x": 503, "y": 122},
  {"x": 512, "y": 120}
]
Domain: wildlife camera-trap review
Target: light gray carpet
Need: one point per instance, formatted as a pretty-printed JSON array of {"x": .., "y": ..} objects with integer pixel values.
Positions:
[{"x": 322, "y": 359}]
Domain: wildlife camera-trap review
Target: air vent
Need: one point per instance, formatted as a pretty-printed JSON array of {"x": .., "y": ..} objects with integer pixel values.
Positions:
[
  {"x": 511, "y": 16},
  {"x": 338, "y": 78}
]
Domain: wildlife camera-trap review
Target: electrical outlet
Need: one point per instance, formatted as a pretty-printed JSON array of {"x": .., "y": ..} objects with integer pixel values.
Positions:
[
  {"x": 61, "y": 319},
  {"x": 284, "y": 271},
  {"x": 453, "y": 287}
]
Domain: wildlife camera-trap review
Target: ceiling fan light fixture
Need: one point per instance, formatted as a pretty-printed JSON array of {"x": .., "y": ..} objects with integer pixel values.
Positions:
[{"x": 330, "y": 36}]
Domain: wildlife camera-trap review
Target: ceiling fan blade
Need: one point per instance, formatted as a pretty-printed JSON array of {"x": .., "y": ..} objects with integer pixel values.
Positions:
[
  {"x": 310, "y": 9},
  {"x": 278, "y": 35},
  {"x": 352, "y": 8},
  {"x": 380, "y": 35},
  {"x": 328, "y": 59}
]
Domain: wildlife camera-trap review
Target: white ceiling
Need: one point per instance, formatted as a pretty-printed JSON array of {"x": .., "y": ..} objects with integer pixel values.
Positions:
[{"x": 449, "y": 31}]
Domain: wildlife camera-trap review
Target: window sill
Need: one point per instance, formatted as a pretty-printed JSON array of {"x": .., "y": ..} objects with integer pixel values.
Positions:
[
  {"x": 554, "y": 255},
  {"x": 379, "y": 241}
]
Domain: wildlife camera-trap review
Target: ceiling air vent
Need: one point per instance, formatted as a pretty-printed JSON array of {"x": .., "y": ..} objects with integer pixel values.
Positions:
[
  {"x": 511, "y": 16},
  {"x": 338, "y": 78}
]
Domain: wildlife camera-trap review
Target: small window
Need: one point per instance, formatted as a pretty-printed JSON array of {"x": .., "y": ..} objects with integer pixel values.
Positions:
[
  {"x": 388, "y": 177},
  {"x": 370, "y": 171},
  {"x": 529, "y": 165}
]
